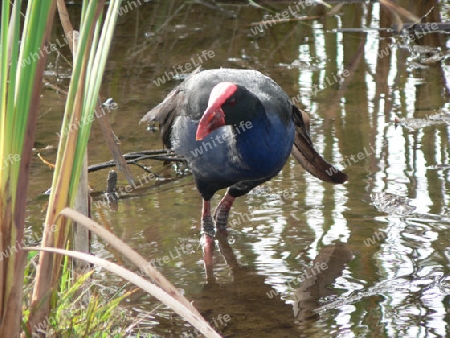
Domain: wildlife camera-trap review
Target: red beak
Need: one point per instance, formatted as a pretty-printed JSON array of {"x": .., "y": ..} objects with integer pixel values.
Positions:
[{"x": 213, "y": 118}]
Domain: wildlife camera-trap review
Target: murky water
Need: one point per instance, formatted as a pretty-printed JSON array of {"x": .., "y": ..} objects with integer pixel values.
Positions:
[{"x": 303, "y": 258}]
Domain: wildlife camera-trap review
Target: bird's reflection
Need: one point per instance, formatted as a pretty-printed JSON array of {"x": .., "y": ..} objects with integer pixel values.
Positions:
[
  {"x": 326, "y": 267},
  {"x": 256, "y": 307}
]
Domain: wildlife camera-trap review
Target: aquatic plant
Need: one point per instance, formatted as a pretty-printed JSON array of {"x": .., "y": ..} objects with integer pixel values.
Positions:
[{"x": 22, "y": 66}]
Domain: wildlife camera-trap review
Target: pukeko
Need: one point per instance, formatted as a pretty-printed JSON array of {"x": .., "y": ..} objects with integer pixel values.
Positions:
[{"x": 236, "y": 129}]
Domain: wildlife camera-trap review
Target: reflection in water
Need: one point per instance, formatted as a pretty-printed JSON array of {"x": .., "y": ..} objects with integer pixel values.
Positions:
[
  {"x": 256, "y": 308},
  {"x": 245, "y": 299},
  {"x": 396, "y": 285},
  {"x": 327, "y": 266}
]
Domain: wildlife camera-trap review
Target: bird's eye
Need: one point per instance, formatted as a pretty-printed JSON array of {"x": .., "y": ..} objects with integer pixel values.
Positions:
[{"x": 232, "y": 101}]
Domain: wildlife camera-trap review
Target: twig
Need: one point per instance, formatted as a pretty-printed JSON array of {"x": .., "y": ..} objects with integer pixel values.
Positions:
[
  {"x": 272, "y": 22},
  {"x": 53, "y": 86},
  {"x": 134, "y": 157}
]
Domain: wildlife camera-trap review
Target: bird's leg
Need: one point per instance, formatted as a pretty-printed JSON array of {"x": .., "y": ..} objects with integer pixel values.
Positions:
[
  {"x": 207, "y": 238},
  {"x": 222, "y": 211},
  {"x": 207, "y": 221}
]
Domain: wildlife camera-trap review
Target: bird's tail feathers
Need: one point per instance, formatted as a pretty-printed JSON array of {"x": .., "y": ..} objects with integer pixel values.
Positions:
[{"x": 304, "y": 152}]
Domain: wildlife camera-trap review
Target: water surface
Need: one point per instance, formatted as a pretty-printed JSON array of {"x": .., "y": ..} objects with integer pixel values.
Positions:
[{"x": 379, "y": 111}]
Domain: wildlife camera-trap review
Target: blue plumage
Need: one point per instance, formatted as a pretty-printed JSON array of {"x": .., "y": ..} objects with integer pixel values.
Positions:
[{"x": 236, "y": 129}]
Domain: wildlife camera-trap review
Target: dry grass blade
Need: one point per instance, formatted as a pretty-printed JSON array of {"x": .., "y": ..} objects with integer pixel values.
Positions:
[
  {"x": 104, "y": 123},
  {"x": 132, "y": 255},
  {"x": 398, "y": 12},
  {"x": 194, "y": 318},
  {"x": 110, "y": 139},
  {"x": 335, "y": 10},
  {"x": 65, "y": 22},
  {"x": 321, "y": 2}
]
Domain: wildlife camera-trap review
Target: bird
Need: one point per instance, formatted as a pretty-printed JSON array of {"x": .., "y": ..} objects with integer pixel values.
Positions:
[{"x": 236, "y": 129}]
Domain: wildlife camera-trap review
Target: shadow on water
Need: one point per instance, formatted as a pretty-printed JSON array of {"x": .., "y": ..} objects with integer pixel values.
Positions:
[{"x": 379, "y": 107}]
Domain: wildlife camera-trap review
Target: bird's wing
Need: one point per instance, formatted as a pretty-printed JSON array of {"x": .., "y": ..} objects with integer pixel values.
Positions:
[
  {"x": 304, "y": 152},
  {"x": 165, "y": 114},
  {"x": 167, "y": 111}
]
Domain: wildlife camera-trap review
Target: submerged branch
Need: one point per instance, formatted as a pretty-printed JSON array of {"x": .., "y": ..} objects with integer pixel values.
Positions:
[{"x": 134, "y": 157}]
